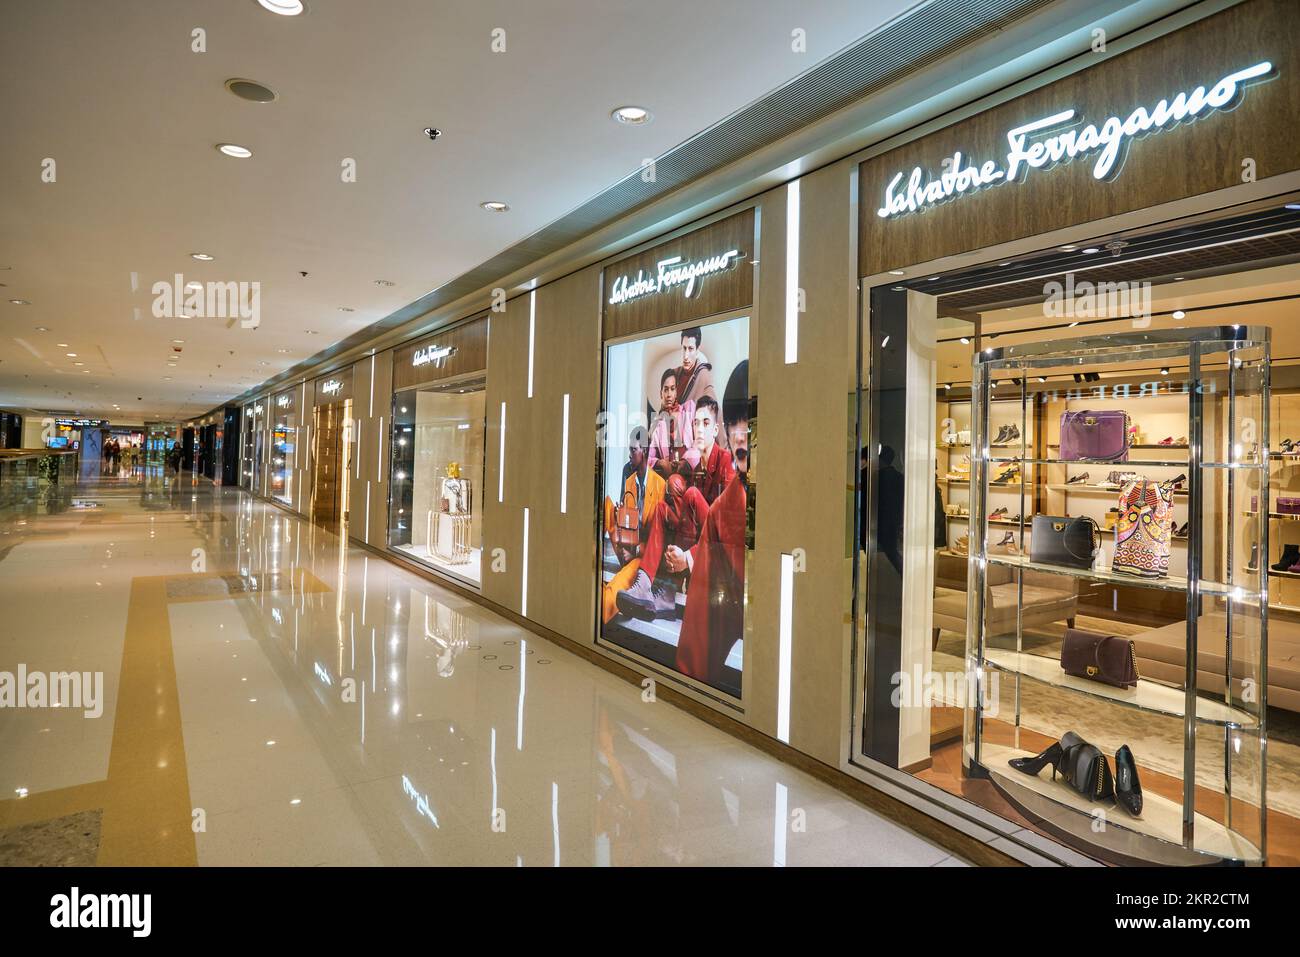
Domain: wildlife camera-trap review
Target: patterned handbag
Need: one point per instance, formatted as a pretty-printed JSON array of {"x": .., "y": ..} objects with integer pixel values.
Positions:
[{"x": 1144, "y": 530}]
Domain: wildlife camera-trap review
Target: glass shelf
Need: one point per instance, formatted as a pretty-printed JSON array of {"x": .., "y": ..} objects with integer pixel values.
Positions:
[
  {"x": 1147, "y": 695},
  {"x": 1168, "y": 583}
]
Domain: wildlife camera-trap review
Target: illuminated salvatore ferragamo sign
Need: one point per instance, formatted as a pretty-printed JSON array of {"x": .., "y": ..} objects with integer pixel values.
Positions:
[
  {"x": 670, "y": 273},
  {"x": 1059, "y": 139},
  {"x": 432, "y": 354}
]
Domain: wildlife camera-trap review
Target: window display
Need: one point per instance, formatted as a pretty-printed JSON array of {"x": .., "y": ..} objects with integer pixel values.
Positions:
[
  {"x": 437, "y": 475},
  {"x": 673, "y": 532},
  {"x": 284, "y": 442}
]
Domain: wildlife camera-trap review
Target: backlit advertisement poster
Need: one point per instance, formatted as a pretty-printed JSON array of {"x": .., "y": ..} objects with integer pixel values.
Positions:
[{"x": 676, "y": 439}]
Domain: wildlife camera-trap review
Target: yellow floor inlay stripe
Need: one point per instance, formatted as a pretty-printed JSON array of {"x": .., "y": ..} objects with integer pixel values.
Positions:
[{"x": 147, "y": 794}]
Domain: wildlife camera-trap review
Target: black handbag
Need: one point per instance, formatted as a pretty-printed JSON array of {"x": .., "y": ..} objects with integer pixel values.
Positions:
[
  {"x": 1097, "y": 657},
  {"x": 1086, "y": 769},
  {"x": 1060, "y": 540}
]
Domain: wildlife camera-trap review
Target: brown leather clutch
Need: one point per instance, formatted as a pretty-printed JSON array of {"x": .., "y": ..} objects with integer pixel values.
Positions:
[{"x": 1106, "y": 658}]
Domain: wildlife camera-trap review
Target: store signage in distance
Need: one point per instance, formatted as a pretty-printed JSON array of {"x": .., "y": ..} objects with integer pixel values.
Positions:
[
  {"x": 284, "y": 401},
  {"x": 332, "y": 387},
  {"x": 432, "y": 354},
  {"x": 1107, "y": 140},
  {"x": 669, "y": 273}
]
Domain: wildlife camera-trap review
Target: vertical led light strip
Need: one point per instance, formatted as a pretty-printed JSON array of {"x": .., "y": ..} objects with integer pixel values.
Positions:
[
  {"x": 501, "y": 458},
  {"x": 564, "y": 457},
  {"x": 779, "y": 815},
  {"x": 792, "y": 272},
  {"x": 358, "y": 448},
  {"x": 367, "y": 516},
  {"x": 532, "y": 328},
  {"x": 493, "y": 759},
  {"x": 786, "y": 626},
  {"x": 372, "y": 385},
  {"x": 523, "y": 575},
  {"x": 555, "y": 820},
  {"x": 379, "y": 468},
  {"x": 523, "y": 667}
]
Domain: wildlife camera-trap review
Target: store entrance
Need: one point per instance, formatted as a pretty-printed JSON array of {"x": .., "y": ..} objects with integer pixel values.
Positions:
[
  {"x": 332, "y": 431},
  {"x": 1006, "y": 539}
]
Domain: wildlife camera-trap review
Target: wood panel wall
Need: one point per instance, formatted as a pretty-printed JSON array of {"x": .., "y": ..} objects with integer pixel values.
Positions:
[
  {"x": 721, "y": 292},
  {"x": 469, "y": 339},
  {"x": 1193, "y": 158}
]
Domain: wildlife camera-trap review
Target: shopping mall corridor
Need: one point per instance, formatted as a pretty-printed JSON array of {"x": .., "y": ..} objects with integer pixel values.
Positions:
[{"x": 271, "y": 697}]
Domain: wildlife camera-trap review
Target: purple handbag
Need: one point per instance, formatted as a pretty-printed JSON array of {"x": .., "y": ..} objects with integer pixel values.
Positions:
[{"x": 1094, "y": 436}]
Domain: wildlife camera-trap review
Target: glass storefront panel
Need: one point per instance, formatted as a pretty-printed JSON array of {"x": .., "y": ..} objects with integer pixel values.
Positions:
[
  {"x": 437, "y": 469},
  {"x": 1114, "y": 440},
  {"x": 284, "y": 443}
]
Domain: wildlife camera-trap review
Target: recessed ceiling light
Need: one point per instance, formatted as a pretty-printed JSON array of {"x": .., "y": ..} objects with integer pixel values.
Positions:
[
  {"x": 1293, "y": 205},
  {"x": 235, "y": 150},
  {"x": 432, "y": 132},
  {"x": 1178, "y": 279},
  {"x": 494, "y": 206},
  {"x": 71, "y": 355},
  {"x": 285, "y": 8},
  {"x": 897, "y": 272},
  {"x": 1091, "y": 250},
  {"x": 346, "y": 309},
  {"x": 632, "y": 115},
  {"x": 1068, "y": 249},
  {"x": 250, "y": 90},
  {"x": 202, "y": 257},
  {"x": 179, "y": 342},
  {"x": 195, "y": 284},
  {"x": 78, "y": 363},
  {"x": 311, "y": 332},
  {"x": 1179, "y": 314},
  {"x": 384, "y": 282},
  {"x": 965, "y": 341},
  {"x": 167, "y": 378},
  {"x": 20, "y": 302},
  {"x": 282, "y": 351}
]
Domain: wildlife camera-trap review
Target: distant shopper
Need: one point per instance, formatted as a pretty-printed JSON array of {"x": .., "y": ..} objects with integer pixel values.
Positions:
[{"x": 174, "y": 458}]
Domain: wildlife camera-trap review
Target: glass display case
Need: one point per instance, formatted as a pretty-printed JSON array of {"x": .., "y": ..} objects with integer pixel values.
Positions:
[
  {"x": 1117, "y": 636},
  {"x": 284, "y": 442}
]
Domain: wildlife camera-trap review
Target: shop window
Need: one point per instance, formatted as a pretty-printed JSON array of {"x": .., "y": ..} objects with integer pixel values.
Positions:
[{"x": 436, "y": 477}]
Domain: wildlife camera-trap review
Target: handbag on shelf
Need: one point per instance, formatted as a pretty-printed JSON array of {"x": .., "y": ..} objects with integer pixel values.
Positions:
[
  {"x": 1086, "y": 769},
  {"x": 1061, "y": 540},
  {"x": 1106, "y": 658},
  {"x": 1095, "y": 436},
  {"x": 627, "y": 523}
]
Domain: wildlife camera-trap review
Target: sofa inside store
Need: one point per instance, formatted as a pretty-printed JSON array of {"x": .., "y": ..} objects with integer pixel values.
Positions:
[{"x": 1236, "y": 272}]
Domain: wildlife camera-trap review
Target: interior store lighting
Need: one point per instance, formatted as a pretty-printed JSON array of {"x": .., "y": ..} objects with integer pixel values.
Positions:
[{"x": 792, "y": 273}]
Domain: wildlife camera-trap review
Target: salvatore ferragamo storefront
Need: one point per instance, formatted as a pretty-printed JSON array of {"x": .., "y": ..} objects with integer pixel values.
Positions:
[{"x": 1021, "y": 557}]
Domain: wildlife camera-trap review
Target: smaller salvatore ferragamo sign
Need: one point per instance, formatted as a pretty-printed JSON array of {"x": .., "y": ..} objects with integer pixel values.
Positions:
[
  {"x": 1058, "y": 138},
  {"x": 669, "y": 274}
]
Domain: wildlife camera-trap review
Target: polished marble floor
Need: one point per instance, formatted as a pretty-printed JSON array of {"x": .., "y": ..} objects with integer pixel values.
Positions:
[{"x": 272, "y": 697}]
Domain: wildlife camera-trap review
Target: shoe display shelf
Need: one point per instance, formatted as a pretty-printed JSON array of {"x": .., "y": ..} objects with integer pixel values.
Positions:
[
  {"x": 1203, "y": 802},
  {"x": 1013, "y": 435}
]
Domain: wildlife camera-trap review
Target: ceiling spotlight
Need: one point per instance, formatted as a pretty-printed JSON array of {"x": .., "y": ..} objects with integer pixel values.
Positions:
[
  {"x": 632, "y": 115},
  {"x": 202, "y": 257},
  {"x": 1068, "y": 249},
  {"x": 494, "y": 206},
  {"x": 78, "y": 363},
  {"x": 1091, "y": 251},
  {"x": 384, "y": 282},
  {"x": 282, "y": 351},
  {"x": 42, "y": 329},
  {"x": 1293, "y": 205},
  {"x": 285, "y": 8},
  {"x": 432, "y": 132},
  {"x": 179, "y": 342},
  {"x": 346, "y": 309},
  {"x": 1179, "y": 314},
  {"x": 965, "y": 341},
  {"x": 897, "y": 272},
  {"x": 947, "y": 386},
  {"x": 235, "y": 150},
  {"x": 311, "y": 332},
  {"x": 1042, "y": 378},
  {"x": 20, "y": 302},
  {"x": 71, "y": 355},
  {"x": 1164, "y": 371}
]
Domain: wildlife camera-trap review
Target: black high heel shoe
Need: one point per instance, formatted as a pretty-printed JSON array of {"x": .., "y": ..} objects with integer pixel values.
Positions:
[
  {"x": 1033, "y": 765},
  {"x": 1128, "y": 789}
]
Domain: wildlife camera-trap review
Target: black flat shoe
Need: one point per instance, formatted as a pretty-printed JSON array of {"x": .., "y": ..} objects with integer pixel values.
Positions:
[
  {"x": 1033, "y": 765},
  {"x": 1128, "y": 789}
]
